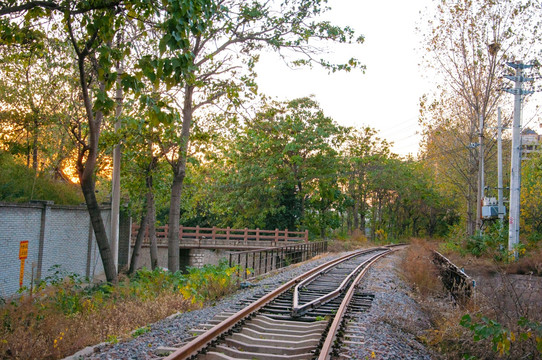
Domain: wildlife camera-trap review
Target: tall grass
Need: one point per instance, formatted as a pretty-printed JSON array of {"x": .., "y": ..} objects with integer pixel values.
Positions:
[
  {"x": 64, "y": 314},
  {"x": 419, "y": 269}
]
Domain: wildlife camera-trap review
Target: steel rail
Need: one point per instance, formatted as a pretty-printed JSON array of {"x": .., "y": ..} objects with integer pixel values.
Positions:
[
  {"x": 325, "y": 352},
  {"x": 194, "y": 346},
  {"x": 298, "y": 310}
]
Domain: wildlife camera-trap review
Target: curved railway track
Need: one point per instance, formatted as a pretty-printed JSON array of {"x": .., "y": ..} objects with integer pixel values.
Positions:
[{"x": 299, "y": 320}]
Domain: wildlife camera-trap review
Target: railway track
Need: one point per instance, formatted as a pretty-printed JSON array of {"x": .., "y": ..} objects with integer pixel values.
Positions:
[{"x": 299, "y": 320}]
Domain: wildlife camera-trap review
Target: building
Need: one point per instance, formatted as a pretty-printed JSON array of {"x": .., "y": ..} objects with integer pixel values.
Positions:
[{"x": 530, "y": 142}]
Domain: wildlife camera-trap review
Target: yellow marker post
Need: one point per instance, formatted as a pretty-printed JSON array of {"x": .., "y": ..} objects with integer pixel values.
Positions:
[{"x": 23, "y": 254}]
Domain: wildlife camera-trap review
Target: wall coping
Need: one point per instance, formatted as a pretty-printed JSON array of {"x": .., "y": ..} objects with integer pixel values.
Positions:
[{"x": 40, "y": 204}]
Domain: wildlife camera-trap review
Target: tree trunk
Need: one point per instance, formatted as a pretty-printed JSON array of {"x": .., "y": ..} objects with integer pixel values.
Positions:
[
  {"x": 362, "y": 215},
  {"x": 355, "y": 213},
  {"x": 152, "y": 238},
  {"x": 349, "y": 220},
  {"x": 471, "y": 222},
  {"x": 87, "y": 186},
  {"x": 139, "y": 241},
  {"x": 151, "y": 223},
  {"x": 86, "y": 168},
  {"x": 35, "y": 144},
  {"x": 179, "y": 172}
]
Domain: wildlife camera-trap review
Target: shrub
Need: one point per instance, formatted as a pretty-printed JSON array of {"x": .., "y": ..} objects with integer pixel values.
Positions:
[
  {"x": 210, "y": 282},
  {"x": 529, "y": 333}
]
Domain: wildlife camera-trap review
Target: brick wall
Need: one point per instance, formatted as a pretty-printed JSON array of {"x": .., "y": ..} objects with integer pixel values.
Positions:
[{"x": 65, "y": 236}]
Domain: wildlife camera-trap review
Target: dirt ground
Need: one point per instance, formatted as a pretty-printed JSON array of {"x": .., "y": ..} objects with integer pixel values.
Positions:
[{"x": 509, "y": 295}]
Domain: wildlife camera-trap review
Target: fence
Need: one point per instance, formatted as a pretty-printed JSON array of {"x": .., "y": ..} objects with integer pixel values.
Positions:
[
  {"x": 261, "y": 261},
  {"x": 214, "y": 233},
  {"x": 459, "y": 284}
]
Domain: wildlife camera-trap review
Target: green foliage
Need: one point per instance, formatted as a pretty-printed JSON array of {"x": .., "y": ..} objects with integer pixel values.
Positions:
[
  {"x": 210, "y": 282},
  {"x": 70, "y": 294},
  {"x": 141, "y": 331},
  {"x": 501, "y": 337},
  {"x": 492, "y": 242},
  {"x": 20, "y": 184},
  {"x": 406, "y": 200},
  {"x": 531, "y": 196},
  {"x": 277, "y": 170}
]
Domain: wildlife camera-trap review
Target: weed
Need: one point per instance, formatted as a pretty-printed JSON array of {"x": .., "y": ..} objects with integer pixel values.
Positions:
[
  {"x": 112, "y": 339},
  {"x": 63, "y": 314},
  {"x": 209, "y": 283},
  {"x": 141, "y": 331}
]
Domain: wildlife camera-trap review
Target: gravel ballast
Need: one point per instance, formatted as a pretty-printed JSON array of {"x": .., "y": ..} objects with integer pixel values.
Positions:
[
  {"x": 389, "y": 329},
  {"x": 389, "y": 335}
]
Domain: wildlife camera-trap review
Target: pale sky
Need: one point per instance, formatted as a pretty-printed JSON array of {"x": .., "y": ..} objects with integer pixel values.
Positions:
[{"x": 385, "y": 97}]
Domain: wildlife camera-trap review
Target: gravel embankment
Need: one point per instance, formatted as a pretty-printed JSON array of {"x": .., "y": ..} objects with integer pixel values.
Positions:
[
  {"x": 389, "y": 336},
  {"x": 389, "y": 329}
]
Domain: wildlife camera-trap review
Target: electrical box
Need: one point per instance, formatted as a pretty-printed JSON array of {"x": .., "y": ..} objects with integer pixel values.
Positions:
[
  {"x": 490, "y": 211},
  {"x": 490, "y": 208}
]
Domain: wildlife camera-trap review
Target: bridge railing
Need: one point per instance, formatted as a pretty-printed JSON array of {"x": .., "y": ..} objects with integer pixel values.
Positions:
[
  {"x": 214, "y": 233},
  {"x": 260, "y": 261}
]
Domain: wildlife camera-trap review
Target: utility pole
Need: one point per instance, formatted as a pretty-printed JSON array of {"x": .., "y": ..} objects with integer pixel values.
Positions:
[
  {"x": 500, "y": 203},
  {"x": 115, "y": 181},
  {"x": 480, "y": 195},
  {"x": 515, "y": 179}
]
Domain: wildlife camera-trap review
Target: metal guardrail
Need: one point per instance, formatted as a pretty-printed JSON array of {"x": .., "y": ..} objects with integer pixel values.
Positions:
[
  {"x": 261, "y": 261},
  {"x": 457, "y": 282}
]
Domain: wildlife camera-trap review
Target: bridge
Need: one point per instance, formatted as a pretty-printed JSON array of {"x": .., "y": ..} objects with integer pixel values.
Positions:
[
  {"x": 224, "y": 238},
  {"x": 208, "y": 245}
]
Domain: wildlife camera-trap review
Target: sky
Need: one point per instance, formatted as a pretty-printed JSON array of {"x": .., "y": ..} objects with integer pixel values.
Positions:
[{"x": 386, "y": 97}]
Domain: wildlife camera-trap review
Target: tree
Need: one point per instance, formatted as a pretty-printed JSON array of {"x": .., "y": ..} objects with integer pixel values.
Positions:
[
  {"x": 90, "y": 27},
  {"x": 360, "y": 151},
  {"x": 276, "y": 171},
  {"x": 468, "y": 44},
  {"x": 531, "y": 195},
  {"x": 37, "y": 96},
  {"x": 222, "y": 66}
]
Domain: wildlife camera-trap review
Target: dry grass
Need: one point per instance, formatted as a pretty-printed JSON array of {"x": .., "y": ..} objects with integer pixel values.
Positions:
[
  {"x": 35, "y": 333},
  {"x": 502, "y": 298},
  {"x": 356, "y": 241},
  {"x": 66, "y": 316},
  {"x": 530, "y": 264},
  {"x": 446, "y": 336},
  {"x": 419, "y": 270}
]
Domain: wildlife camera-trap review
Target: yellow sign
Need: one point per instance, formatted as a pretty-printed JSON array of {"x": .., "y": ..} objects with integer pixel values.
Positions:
[
  {"x": 23, "y": 250},
  {"x": 21, "y": 274}
]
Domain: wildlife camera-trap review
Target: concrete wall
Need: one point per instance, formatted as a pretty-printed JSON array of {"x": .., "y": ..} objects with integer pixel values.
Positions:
[
  {"x": 188, "y": 257},
  {"x": 56, "y": 235}
]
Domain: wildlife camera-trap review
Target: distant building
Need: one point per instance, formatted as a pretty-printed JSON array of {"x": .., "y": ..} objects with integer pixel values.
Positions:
[{"x": 530, "y": 142}]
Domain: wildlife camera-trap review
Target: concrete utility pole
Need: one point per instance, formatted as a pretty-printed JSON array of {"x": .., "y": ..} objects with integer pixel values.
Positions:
[
  {"x": 500, "y": 203},
  {"x": 115, "y": 181},
  {"x": 515, "y": 179},
  {"x": 480, "y": 195}
]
